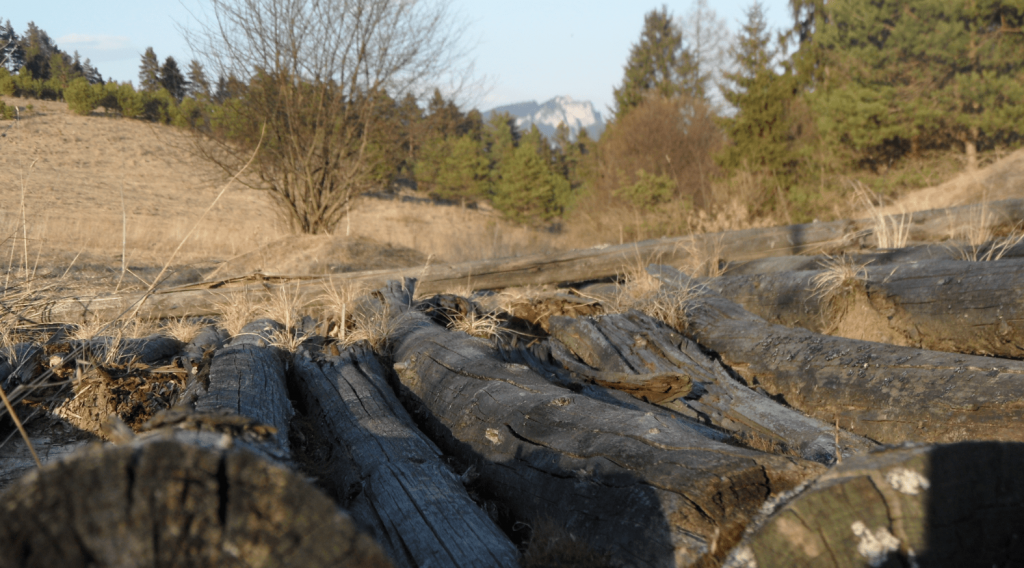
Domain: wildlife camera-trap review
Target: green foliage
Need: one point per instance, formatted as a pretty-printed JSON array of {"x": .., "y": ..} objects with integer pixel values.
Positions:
[
  {"x": 159, "y": 106},
  {"x": 7, "y": 84},
  {"x": 759, "y": 132},
  {"x": 81, "y": 97},
  {"x": 453, "y": 169},
  {"x": 172, "y": 79},
  {"x": 658, "y": 64},
  {"x": 6, "y": 112},
  {"x": 129, "y": 101},
  {"x": 149, "y": 71},
  {"x": 649, "y": 191},
  {"x": 527, "y": 190}
]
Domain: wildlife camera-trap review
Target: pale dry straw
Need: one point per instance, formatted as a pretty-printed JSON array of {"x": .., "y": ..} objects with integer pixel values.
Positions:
[
  {"x": 890, "y": 231},
  {"x": 975, "y": 241},
  {"x": 840, "y": 275}
]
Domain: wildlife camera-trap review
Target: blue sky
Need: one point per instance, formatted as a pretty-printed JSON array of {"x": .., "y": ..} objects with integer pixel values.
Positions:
[{"x": 524, "y": 50}]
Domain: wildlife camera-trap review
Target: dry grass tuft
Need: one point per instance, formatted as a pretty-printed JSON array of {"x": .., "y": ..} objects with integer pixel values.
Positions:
[
  {"x": 485, "y": 326},
  {"x": 337, "y": 304},
  {"x": 977, "y": 243},
  {"x": 183, "y": 329},
  {"x": 237, "y": 309},
  {"x": 378, "y": 327},
  {"x": 643, "y": 292},
  {"x": 704, "y": 257},
  {"x": 891, "y": 231},
  {"x": 840, "y": 275}
]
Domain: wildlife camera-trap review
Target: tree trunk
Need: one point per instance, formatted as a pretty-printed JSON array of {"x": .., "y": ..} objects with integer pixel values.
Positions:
[
  {"x": 387, "y": 473},
  {"x": 646, "y": 491},
  {"x": 887, "y": 393},
  {"x": 573, "y": 266},
  {"x": 954, "y": 306},
  {"x": 631, "y": 344},
  {"x": 950, "y": 505}
]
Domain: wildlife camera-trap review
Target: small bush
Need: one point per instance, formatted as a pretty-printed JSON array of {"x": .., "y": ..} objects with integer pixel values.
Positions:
[
  {"x": 129, "y": 101},
  {"x": 81, "y": 97},
  {"x": 6, "y": 112}
]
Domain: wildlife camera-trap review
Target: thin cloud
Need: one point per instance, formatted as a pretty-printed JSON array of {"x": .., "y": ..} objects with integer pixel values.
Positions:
[{"x": 99, "y": 48}]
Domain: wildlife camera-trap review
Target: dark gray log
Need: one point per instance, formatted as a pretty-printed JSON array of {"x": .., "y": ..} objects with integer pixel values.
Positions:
[
  {"x": 951, "y": 250},
  {"x": 646, "y": 491},
  {"x": 247, "y": 379},
  {"x": 951, "y": 505},
  {"x": 387, "y": 473},
  {"x": 164, "y": 502},
  {"x": 954, "y": 306},
  {"x": 573, "y": 266},
  {"x": 196, "y": 360},
  {"x": 51, "y": 438},
  {"x": 887, "y": 393},
  {"x": 19, "y": 364},
  {"x": 636, "y": 344}
]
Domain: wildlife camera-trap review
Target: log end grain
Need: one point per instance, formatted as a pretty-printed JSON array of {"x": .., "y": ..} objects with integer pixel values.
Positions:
[{"x": 173, "y": 504}]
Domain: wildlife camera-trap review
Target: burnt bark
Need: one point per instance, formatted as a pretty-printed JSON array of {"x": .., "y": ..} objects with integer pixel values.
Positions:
[
  {"x": 950, "y": 505},
  {"x": 887, "y": 393},
  {"x": 646, "y": 491},
  {"x": 636, "y": 345},
  {"x": 387, "y": 473}
]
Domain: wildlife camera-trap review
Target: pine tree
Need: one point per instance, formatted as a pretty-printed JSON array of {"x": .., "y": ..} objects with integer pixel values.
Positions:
[
  {"x": 172, "y": 79},
  {"x": 198, "y": 85},
  {"x": 501, "y": 138},
  {"x": 149, "y": 71},
  {"x": 658, "y": 63},
  {"x": 12, "y": 55},
  {"x": 913, "y": 73},
  {"x": 453, "y": 168},
  {"x": 759, "y": 131},
  {"x": 527, "y": 190},
  {"x": 38, "y": 49}
]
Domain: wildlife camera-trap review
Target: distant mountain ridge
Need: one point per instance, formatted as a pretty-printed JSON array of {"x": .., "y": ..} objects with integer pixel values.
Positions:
[{"x": 547, "y": 116}]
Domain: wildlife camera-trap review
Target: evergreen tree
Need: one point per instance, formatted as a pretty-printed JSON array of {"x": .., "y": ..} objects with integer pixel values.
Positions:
[
  {"x": 759, "y": 131},
  {"x": 12, "y": 55},
  {"x": 61, "y": 69},
  {"x": 453, "y": 168},
  {"x": 501, "y": 138},
  {"x": 913, "y": 73},
  {"x": 172, "y": 79},
  {"x": 149, "y": 71},
  {"x": 38, "y": 49},
  {"x": 657, "y": 63},
  {"x": 527, "y": 189},
  {"x": 197, "y": 83}
]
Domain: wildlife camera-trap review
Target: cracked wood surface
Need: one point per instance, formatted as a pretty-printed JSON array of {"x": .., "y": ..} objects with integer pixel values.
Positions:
[
  {"x": 950, "y": 505},
  {"x": 943, "y": 305},
  {"x": 650, "y": 492},
  {"x": 160, "y": 501},
  {"x": 247, "y": 379},
  {"x": 634, "y": 343},
  {"x": 387, "y": 473},
  {"x": 204, "y": 299},
  {"x": 887, "y": 393}
]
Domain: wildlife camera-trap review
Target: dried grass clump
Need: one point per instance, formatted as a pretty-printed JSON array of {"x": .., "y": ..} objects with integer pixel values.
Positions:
[
  {"x": 643, "y": 292},
  {"x": 378, "y": 327},
  {"x": 977, "y": 243},
  {"x": 891, "y": 232},
  {"x": 237, "y": 309},
  {"x": 183, "y": 329},
  {"x": 840, "y": 275},
  {"x": 704, "y": 257}
]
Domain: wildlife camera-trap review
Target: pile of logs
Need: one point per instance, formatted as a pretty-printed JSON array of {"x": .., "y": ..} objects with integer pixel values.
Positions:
[{"x": 802, "y": 410}]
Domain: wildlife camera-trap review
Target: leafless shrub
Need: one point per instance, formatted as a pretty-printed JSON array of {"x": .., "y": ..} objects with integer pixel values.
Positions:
[{"x": 319, "y": 75}]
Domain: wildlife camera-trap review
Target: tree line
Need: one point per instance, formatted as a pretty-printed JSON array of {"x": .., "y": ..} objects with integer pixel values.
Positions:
[{"x": 854, "y": 87}]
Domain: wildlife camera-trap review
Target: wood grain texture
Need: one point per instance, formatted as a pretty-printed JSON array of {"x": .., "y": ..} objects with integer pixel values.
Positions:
[
  {"x": 387, "y": 473},
  {"x": 634, "y": 343},
  {"x": 949, "y": 505},
  {"x": 943, "y": 305},
  {"x": 162, "y": 502},
  {"x": 646, "y": 491},
  {"x": 886, "y": 393}
]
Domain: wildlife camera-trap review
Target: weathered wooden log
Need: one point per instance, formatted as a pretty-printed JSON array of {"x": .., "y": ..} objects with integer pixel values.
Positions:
[
  {"x": 951, "y": 250},
  {"x": 955, "y": 306},
  {"x": 196, "y": 359},
  {"x": 387, "y": 473},
  {"x": 635, "y": 344},
  {"x": 573, "y": 266},
  {"x": 646, "y": 491},
  {"x": 948, "y": 505},
  {"x": 247, "y": 379},
  {"x": 887, "y": 393},
  {"x": 160, "y": 501},
  {"x": 51, "y": 438}
]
